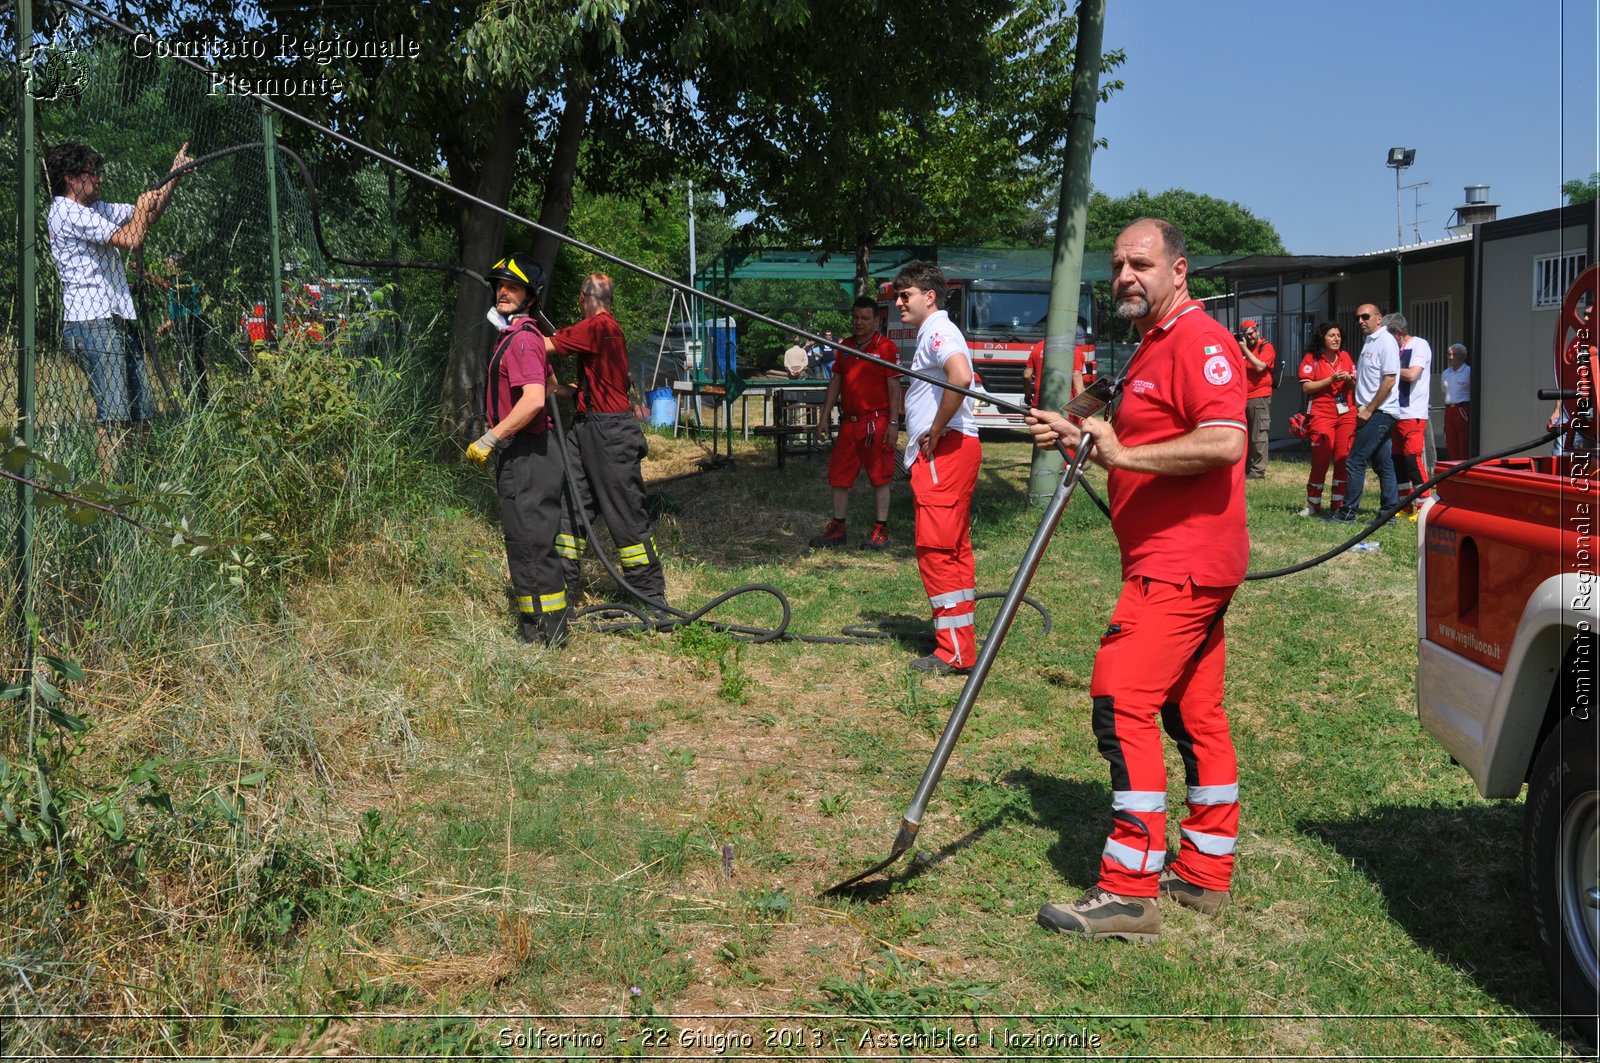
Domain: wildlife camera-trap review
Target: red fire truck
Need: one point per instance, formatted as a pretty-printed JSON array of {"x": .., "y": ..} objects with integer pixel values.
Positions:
[{"x": 1002, "y": 321}]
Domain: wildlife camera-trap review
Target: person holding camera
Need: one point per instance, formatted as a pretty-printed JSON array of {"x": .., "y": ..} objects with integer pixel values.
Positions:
[{"x": 1258, "y": 358}]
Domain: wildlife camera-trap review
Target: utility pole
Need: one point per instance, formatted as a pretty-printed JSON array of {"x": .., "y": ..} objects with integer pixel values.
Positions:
[
  {"x": 1072, "y": 215},
  {"x": 27, "y": 309}
]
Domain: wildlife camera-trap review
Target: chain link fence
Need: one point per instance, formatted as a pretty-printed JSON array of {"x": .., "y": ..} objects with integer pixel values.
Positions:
[{"x": 146, "y": 293}]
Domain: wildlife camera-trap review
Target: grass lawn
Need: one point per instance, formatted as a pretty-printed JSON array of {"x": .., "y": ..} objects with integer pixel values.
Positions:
[{"x": 617, "y": 847}]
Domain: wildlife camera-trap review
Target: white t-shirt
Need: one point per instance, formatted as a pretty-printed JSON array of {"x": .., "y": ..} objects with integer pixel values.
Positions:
[
  {"x": 794, "y": 360},
  {"x": 1457, "y": 384},
  {"x": 93, "y": 283},
  {"x": 1414, "y": 396},
  {"x": 1380, "y": 357},
  {"x": 937, "y": 340}
]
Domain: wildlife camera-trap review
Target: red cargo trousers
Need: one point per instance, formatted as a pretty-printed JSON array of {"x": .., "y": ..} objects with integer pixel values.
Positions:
[
  {"x": 941, "y": 489},
  {"x": 1163, "y": 655}
]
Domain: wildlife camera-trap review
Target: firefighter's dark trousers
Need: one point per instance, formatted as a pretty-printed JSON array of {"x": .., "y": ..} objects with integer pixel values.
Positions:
[
  {"x": 604, "y": 454},
  {"x": 1163, "y": 655},
  {"x": 528, "y": 475}
]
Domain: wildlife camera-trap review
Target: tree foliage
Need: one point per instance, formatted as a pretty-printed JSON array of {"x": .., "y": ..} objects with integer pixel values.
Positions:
[
  {"x": 1579, "y": 190},
  {"x": 870, "y": 123},
  {"x": 838, "y": 125},
  {"x": 1211, "y": 226}
]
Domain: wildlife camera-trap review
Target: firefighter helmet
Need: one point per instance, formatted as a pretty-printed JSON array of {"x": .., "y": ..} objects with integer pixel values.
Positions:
[{"x": 519, "y": 270}]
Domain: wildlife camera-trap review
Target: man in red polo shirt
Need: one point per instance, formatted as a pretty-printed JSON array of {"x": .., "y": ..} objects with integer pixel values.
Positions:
[
  {"x": 1173, "y": 458},
  {"x": 869, "y": 401},
  {"x": 1259, "y": 359},
  {"x": 605, "y": 479}
]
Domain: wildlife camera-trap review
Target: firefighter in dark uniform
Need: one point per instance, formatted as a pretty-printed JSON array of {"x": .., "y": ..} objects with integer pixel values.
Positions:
[
  {"x": 526, "y": 461},
  {"x": 608, "y": 443}
]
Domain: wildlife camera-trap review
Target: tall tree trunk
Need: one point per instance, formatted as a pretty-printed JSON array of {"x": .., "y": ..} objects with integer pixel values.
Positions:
[
  {"x": 556, "y": 209},
  {"x": 483, "y": 233},
  {"x": 864, "y": 245}
]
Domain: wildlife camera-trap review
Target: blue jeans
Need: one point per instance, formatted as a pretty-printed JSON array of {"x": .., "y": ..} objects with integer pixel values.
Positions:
[
  {"x": 110, "y": 354},
  {"x": 1372, "y": 445}
]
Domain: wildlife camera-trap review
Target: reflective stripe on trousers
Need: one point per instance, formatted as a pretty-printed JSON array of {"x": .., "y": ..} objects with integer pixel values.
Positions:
[{"x": 1163, "y": 655}]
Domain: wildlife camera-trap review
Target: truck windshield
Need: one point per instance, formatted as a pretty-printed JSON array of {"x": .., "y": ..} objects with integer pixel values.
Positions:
[{"x": 1014, "y": 313}]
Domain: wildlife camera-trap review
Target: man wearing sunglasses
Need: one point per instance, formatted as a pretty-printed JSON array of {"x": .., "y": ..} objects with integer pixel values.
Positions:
[
  {"x": 944, "y": 455},
  {"x": 1377, "y": 410}
]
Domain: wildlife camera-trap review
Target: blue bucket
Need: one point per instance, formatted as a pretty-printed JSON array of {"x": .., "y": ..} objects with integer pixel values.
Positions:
[{"x": 663, "y": 407}]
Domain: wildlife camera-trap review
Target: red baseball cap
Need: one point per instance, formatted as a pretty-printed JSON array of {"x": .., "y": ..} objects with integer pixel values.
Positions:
[{"x": 1247, "y": 323}]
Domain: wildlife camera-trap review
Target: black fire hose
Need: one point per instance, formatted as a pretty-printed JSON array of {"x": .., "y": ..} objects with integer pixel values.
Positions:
[
  {"x": 661, "y": 615},
  {"x": 657, "y": 615},
  {"x": 1384, "y": 515}
]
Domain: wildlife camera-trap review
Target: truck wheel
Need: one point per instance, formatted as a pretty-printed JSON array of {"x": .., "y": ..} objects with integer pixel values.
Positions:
[{"x": 1561, "y": 860}]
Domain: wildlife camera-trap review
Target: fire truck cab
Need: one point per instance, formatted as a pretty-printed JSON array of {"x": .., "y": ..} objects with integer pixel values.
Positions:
[{"x": 1002, "y": 320}]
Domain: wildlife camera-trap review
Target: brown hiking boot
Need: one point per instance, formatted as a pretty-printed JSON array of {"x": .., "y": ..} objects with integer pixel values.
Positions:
[
  {"x": 1186, "y": 893},
  {"x": 1099, "y": 914},
  {"x": 832, "y": 536},
  {"x": 933, "y": 664}
]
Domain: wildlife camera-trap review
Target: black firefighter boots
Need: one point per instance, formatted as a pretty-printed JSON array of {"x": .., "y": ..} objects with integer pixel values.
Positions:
[{"x": 547, "y": 629}]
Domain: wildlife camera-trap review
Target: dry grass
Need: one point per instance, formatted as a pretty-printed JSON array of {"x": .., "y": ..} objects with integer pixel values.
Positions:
[{"x": 575, "y": 824}]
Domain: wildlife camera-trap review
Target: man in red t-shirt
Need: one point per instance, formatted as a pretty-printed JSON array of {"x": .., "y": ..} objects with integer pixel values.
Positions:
[
  {"x": 1259, "y": 359},
  {"x": 606, "y": 480},
  {"x": 869, "y": 400},
  {"x": 1033, "y": 370},
  {"x": 1176, "y": 484}
]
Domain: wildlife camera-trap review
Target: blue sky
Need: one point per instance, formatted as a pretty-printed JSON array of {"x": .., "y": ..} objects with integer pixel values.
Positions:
[{"x": 1290, "y": 108}]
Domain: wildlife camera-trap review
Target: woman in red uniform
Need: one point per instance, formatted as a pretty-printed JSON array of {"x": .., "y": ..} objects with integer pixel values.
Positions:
[{"x": 1325, "y": 378}]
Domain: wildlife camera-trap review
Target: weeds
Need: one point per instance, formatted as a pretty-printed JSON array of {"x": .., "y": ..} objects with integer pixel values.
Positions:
[
  {"x": 712, "y": 650},
  {"x": 451, "y": 822}
]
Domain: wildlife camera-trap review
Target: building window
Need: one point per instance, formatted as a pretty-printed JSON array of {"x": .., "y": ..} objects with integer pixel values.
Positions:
[
  {"x": 1430, "y": 319},
  {"x": 1554, "y": 274}
]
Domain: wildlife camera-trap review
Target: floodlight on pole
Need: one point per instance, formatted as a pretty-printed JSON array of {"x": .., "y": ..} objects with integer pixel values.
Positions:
[{"x": 1399, "y": 159}]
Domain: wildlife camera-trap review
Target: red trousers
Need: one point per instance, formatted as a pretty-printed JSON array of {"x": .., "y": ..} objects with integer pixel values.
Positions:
[
  {"x": 1164, "y": 655},
  {"x": 864, "y": 441},
  {"x": 1410, "y": 460},
  {"x": 1457, "y": 429},
  {"x": 941, "y": 491},
  {"x": 1331, "y": 437}
]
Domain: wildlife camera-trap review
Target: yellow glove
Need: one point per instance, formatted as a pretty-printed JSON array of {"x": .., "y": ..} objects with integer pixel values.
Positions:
[{"x": 479, "y": 450}]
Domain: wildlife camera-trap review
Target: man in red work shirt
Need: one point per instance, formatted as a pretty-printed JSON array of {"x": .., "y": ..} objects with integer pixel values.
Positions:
[
  {"x": 1259, "y": 359},
  {"x": 869, "y": 401},
  {"x": 1173, "y": 458},
  {"x": 605, "y": 480}
]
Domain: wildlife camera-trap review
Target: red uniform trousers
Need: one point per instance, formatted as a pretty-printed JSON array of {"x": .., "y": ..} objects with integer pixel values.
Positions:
[
  {"x": 1410, "y": 461},
  {"x": 941, "y": 491},
  {"x": 860, "y": 443},
  {"x": 1331, "y": 439},
  {"x": 1164, "y": 655},
  {"x": 1457, "y": 427}
]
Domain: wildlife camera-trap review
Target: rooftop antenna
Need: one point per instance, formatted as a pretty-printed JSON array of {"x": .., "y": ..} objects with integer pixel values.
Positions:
[{"x": 1416, "y": 207}]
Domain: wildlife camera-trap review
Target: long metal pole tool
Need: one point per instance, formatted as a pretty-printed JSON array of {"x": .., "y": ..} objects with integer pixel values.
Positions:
[{"x": 912, "y": 821}]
